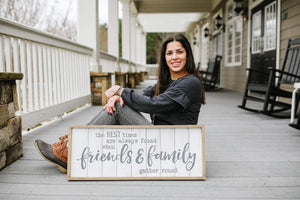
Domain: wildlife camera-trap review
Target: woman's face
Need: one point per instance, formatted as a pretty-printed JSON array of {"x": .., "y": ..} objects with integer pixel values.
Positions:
[{"x": 176, "y": 59}]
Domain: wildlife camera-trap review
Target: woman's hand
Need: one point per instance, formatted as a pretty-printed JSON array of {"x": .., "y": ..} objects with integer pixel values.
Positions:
[
  {"x": 111, "y": 91},
  {"x": 110, "y": 106}
]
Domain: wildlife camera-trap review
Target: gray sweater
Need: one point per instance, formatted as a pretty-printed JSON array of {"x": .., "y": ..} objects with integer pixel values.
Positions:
[{"x": 179, "y": 104}]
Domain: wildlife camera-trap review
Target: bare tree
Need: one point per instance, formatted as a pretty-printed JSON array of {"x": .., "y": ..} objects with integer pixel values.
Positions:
[{"x": 35, "y": 13}]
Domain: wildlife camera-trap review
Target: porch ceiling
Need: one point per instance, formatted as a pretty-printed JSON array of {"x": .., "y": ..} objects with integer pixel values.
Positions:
[{"x": 171, "y": 15}]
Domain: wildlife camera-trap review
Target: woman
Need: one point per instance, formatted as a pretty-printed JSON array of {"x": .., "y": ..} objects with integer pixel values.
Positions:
[{"x": 175, "y": 100}]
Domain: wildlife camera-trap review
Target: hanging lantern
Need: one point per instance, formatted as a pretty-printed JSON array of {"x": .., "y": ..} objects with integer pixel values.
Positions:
[
  {"x": 238, "y": 6},
  {"x": 218, "y": 21},
  {"x": 206, "y": 32},
  {"x": 195, "y": 41}
]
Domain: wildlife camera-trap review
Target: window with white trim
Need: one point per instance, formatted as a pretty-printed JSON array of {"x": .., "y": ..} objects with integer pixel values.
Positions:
[
  {"x": 256, "y": 32},
  {"x": 217, "y": 45},
  {"x": 234, "y": 33},
  {"x": 270, "y": 27}
]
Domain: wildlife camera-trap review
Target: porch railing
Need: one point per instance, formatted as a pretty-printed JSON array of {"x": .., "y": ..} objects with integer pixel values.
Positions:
[{"x": 56, "y": 71}]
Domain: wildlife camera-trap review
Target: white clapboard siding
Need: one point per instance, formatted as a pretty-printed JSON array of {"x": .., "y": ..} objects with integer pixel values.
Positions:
[{"x": 137, "y": 152}]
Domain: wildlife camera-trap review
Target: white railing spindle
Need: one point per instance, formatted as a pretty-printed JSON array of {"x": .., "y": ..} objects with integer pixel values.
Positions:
[
  {"x": 8, "y": 56},
  {"x": 50, "y": 80},
  {"x": 24, "y": 82},
  {"x": 45, "y": 75},
  {"x": 16, "y": 66},
  {"x": 41, "y": 76},
  {"x": 35, "y": 77},
  {"x": 30, "y": 75},
  {"x": 2, "y": 61},
  {"x": 55, "y": 71}
]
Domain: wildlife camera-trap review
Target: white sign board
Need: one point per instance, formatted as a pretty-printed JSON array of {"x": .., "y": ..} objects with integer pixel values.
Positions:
[{"x": 136, "y": 152}]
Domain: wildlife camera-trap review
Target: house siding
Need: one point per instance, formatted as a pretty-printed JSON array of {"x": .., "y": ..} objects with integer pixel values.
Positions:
[
  {"x": 234, "y": 78},
  {"x": 289, "y": 27}
]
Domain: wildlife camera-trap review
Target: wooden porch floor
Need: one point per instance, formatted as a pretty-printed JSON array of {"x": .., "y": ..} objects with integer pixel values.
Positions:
[{"x": 248, "y": 156}]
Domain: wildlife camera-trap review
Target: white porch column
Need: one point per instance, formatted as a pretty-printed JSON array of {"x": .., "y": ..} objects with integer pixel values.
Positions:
[
  {"x": 126, "y": 29},
  {"x": 113, "y": 28},
  {"x": 88, "y": 29},
  {"x": 139, "y": 45},
  {"x": 133, "y": 38},
  {"x": 144, "y": 48}
]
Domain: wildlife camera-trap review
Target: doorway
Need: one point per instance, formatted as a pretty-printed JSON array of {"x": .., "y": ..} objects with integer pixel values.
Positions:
[{"x": 263, "y": 38}]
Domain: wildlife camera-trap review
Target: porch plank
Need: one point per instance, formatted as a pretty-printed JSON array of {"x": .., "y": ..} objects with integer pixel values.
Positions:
[
  {"x": 248, "y": 156},
  {"x": 177, "y": 191}
]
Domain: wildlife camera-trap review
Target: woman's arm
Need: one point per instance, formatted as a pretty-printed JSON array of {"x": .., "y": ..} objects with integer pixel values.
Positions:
[
  {"x": 158, "y": 104},
  {"x": 110, "y": 105},
  {"x": 149, "y": 91}
]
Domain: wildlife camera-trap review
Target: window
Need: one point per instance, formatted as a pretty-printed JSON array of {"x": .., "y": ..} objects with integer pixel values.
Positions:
[
  {"x": 270, "y": 27},
  {"x": 234, "y": 38},
  {"x": 256, "y": 32},
  {"x": 217, "y": 45}
]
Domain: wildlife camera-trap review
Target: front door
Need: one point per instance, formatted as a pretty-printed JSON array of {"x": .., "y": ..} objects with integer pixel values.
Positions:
[{"x": 263, "y": 38}]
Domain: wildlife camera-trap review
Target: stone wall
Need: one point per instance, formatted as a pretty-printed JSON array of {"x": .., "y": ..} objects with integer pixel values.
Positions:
[
  {"x": 11, "y": 146},
  {"x": 100, "y": 82},
  {"x": 136, "y": 78},
  {"x": 121, "y": 79}
]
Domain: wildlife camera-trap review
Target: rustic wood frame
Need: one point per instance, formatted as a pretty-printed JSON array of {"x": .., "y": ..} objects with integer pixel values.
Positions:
[{"x": 201, "y": 127}]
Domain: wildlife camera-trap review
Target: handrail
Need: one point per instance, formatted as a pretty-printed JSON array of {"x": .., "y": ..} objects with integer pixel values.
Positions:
[
  {"x": 56, "y": 71},
  {"x": 18, "y": 30},
  {"x": 107, "y": 56}
]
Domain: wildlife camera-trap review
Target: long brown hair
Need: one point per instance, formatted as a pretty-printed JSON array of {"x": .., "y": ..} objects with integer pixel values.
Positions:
[{"x": 164, "y": 76}]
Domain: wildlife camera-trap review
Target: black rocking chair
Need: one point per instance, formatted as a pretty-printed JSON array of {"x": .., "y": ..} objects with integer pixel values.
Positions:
[
  {"x": 210, "y": 76},
  {"x": 272, "y": 90}
]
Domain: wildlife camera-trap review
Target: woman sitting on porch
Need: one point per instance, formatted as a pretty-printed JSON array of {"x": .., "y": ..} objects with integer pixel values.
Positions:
[{"x": 175, "y": 100}]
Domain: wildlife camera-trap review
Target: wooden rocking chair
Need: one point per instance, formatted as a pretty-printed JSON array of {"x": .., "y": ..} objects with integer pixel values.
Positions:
[
  {"x": 272, "y": 90},
  {"x": 210, "y": 76}
]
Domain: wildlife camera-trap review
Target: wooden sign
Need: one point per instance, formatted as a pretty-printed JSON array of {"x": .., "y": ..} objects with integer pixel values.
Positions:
[{"x": 136, "y": 152}]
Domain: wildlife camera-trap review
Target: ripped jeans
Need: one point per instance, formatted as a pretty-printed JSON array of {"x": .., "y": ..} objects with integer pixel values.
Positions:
[{"x": 122, "y": 116}]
